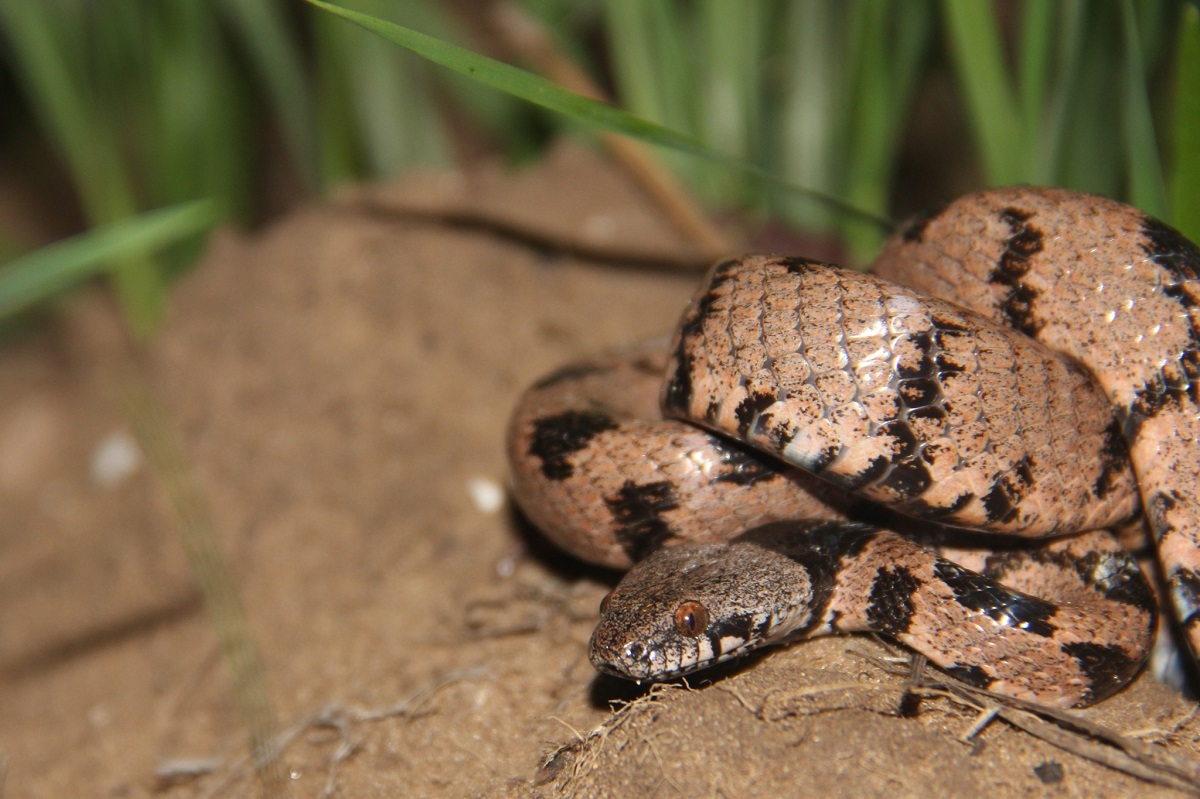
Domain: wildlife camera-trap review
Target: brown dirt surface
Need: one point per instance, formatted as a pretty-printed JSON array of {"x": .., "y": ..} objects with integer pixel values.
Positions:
[{"x": 341, "y": 383}]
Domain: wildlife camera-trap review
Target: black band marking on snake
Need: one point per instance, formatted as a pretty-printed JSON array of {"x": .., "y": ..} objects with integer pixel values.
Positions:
[{"x": 894, "y": 391}]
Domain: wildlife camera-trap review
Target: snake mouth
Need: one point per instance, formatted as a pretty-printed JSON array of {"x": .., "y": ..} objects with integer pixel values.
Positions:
[{"x": 640, "y": 662}]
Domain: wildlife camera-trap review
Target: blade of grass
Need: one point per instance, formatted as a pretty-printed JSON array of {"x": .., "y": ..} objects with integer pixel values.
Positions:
[
  {"x": 262, "y": 27},
  {"x": 398, "y": 123},
  {"x": 518, "y": 82},
  {"x": 1049, "y": 124},
  {"x": 732, "y": 40},
  {"x": 1146, "y": 188},
  {"x": 167, "y": 458},
  {"x": 192, "y": 118},
  {"x": 1034, "y": 56},
  {"x": 45, "y": 272},
  {"x": 1185, "y": 130},
  {"x": 812, "y": 105},
  {"x": 654, "y": 75},
  {"x": 1090, "y": 157},
  {"x": 547, "y": 94},
  {"x": 892, "y": 38},
  {"x": 1036, "y": 47},
  {"x": 528, "y": 38},
  {"x": 984, "y": 84},
  {"x": 45, "y": 45}
]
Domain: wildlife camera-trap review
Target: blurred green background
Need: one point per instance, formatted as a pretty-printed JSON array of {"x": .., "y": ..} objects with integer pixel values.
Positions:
[{"x": 138, "y": 124}]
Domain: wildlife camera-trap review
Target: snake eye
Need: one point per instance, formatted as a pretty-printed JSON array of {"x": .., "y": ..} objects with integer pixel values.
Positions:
[
  {"x": 604, "y": 602},
  {"x": 691, "y": 618}
]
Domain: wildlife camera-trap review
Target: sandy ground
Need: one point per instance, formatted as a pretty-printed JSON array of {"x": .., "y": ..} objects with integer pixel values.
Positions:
[{"x": 340, "y": 383}]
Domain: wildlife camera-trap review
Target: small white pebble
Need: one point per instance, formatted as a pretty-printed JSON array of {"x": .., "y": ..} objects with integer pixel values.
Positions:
[
  {"x": 99, "y": 716},
  {"x": 115, "y": 459},
  {"x": 487, "y": 494},
  {"x": 600, "y": 227},
  {"x": 181, "y": 769}
]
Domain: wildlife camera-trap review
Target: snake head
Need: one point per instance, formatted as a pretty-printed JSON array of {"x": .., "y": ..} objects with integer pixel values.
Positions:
[{"x": 690, "y": 606}]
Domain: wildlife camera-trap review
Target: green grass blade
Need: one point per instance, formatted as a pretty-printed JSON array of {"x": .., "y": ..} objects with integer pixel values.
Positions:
[
  {"x": 733, "y": 39},
  {"x": 262, "y": 27},
  {"x": 1035, "y": 57},
  {"x": 993, "y": 112},
  {"x": 1185, "y": 131},
  {"x": 892, "y": 40},
  {"x": 1146, "y": 188},
  {"x": 46, "y": 45},
  {"x": 549, "y": 95},
  {"x": 518, "y": 82},
  {"x": 1036, "y": 47},
  {"x": 1051, "y": 124},
  {"x": 811, "y": 109},
  {"x": 654, "y": 75},
  {"x": 389, "y": 107},
  {"x": 193, "y": 115},
  {"x": 44, "y": 272}
]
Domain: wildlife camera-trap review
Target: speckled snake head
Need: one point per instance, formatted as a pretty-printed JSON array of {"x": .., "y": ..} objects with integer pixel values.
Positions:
[{"x": 688, "y": 607}]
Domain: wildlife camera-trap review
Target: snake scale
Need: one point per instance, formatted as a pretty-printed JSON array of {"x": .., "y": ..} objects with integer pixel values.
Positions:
[{"x": 1022, "y": 361}]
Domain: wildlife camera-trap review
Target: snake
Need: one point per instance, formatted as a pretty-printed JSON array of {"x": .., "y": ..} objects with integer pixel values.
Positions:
[{"x": 820, "y": 450}]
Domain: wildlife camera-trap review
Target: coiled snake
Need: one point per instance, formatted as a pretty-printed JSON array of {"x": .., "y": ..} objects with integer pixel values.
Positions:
[{"x": 796, "y": 395}]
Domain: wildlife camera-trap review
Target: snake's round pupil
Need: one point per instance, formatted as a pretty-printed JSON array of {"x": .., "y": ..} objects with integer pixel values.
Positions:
[
  {"x": 604, "y": 602},
  {"x": 691, "y": 618}
]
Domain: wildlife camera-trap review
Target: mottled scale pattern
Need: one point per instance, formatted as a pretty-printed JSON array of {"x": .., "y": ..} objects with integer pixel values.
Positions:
[
  {"x": 597, "y": 468},
  {"x": 1114, "y": 289},
  {"x": 889, "y": 387},
  {"x": 911, "y": 402}
]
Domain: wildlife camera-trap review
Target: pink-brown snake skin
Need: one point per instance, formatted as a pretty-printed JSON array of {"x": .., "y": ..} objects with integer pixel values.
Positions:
[{"x": 1021, "y": 361}]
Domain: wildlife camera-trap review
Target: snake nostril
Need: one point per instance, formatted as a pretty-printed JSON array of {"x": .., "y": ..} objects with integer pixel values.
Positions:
[{"x": 634, "y": 651}]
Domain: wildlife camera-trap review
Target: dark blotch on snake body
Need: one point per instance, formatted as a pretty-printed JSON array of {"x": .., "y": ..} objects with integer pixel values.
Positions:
[
  {"x": 1024, "y": 242},
  {"x": 976, "y": 592},
  {"x": 739, "y": 626},
  {"x": 908, "y": 479},
  {"x": 928, "y": 413},
  {"x": 904, "y": 441},
  {"x": 818, "y": 548},
  {"x": 636, "y": 509},
  {"x": 677, "y": 395},
  {"x": 1185, "y": 584},
  {"x": 1170, "y": 249},
  {"x": 942, "y": 324},
  {"x": 1115, "y": 575},
  {"x": 890, "y": 609},
  {"x": 1178, "y": 383},
  {"x": 1165, "y": 390},
  {"x": 557, "y": 437},
  {"x": 876, "y": 468},
  {"x": 922, "y": 509},
  {"x": 741, "y": 466},
  {"x": 1108, "y": 667},
  {"x": 800, "y": 266},
  {"x": 1001, "y": 502},
  {"x": 749, "y": 409},
  {"x": 1115, "y": 457},
  {"x": 926, "y": 366},
  {"x": 919, "y": 392}
]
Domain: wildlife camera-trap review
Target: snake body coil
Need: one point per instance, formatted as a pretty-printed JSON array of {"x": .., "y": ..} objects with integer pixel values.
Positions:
[{"x": 1019, "y": 416}]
